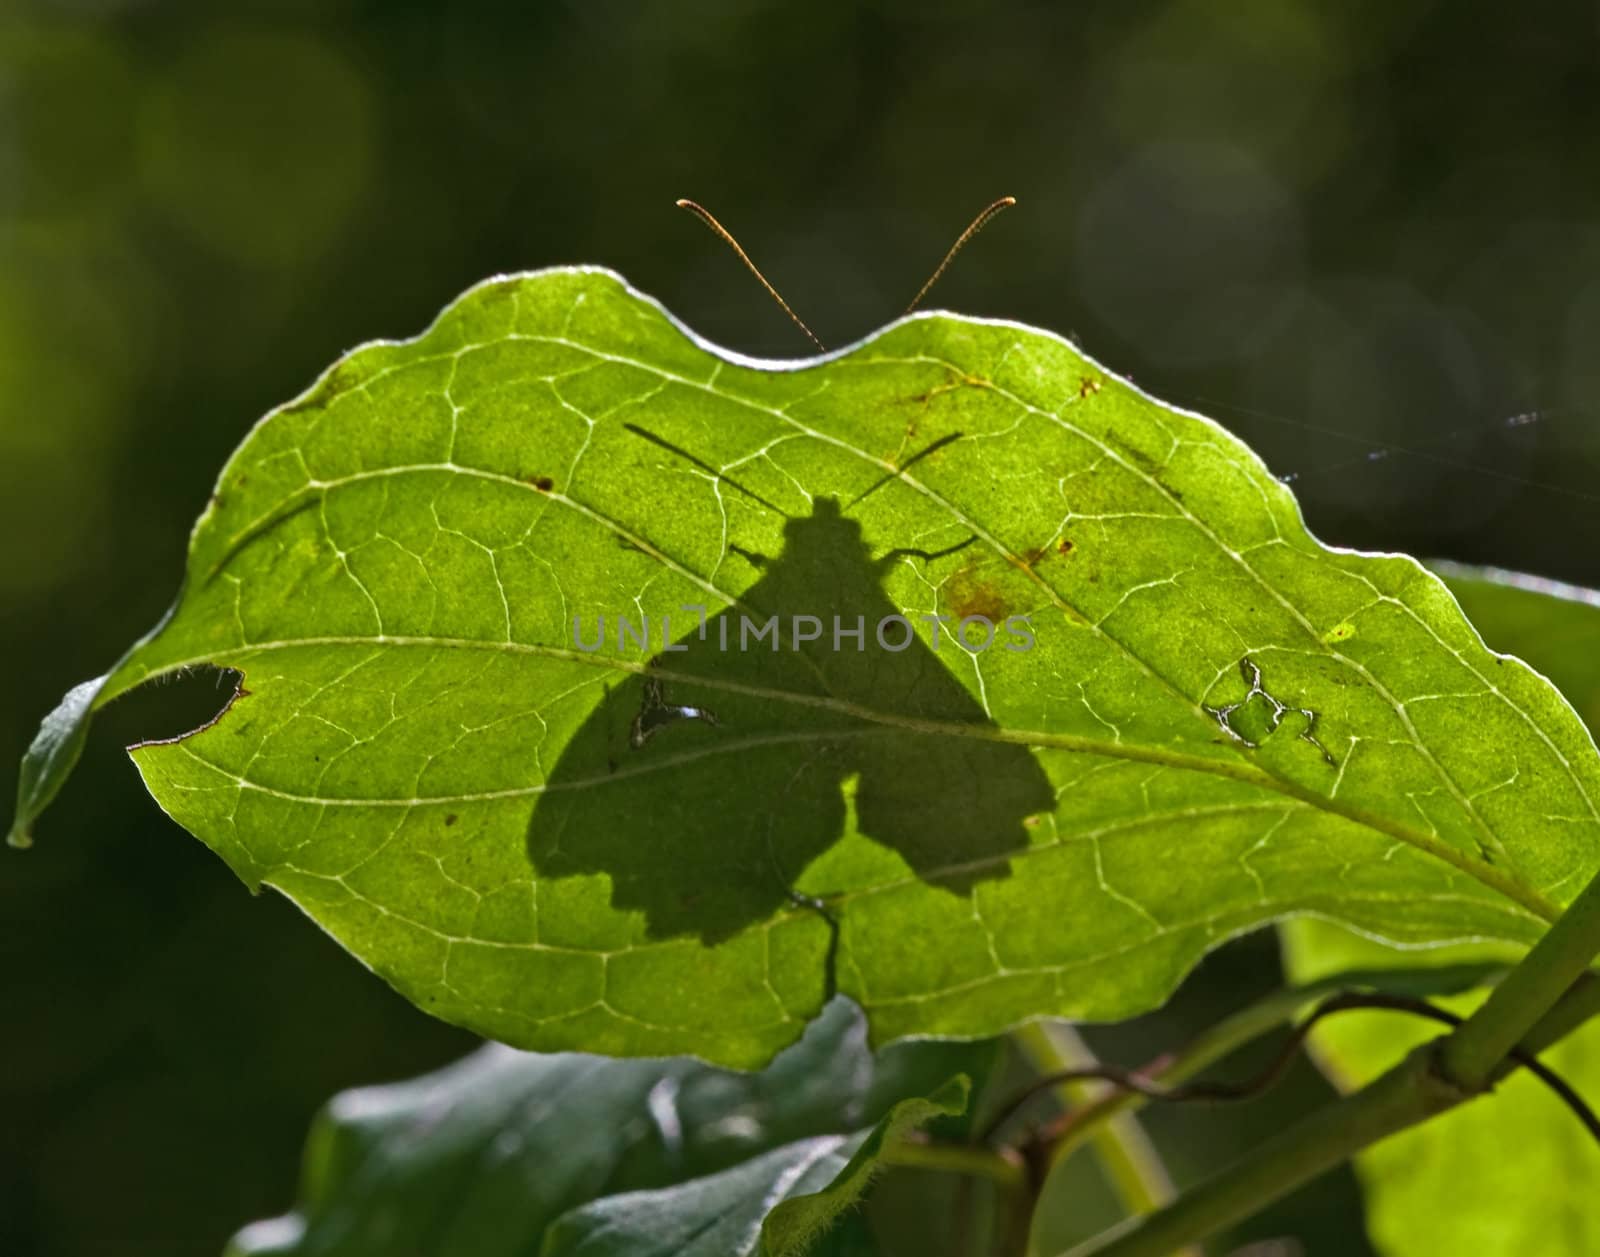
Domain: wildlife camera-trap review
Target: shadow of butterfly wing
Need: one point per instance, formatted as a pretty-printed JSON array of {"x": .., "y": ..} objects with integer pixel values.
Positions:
[{"x": 704, "y": 789}]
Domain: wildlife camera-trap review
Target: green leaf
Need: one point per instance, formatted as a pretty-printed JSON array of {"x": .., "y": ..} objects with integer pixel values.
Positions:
[
  {"x": 51, "y": 757},
  {"x": 1220, "y": 722},
  {"x": 1507, "y": 1175},
  {"x": 484, "y": 1155},
  {"x": 709, "y": 1217},
  {"x": 1449, "y": 1185},
  {"x": 54, "y": 751},
  {"x": 789, "y": 1198},
  {"x": 790, "y": 1228}
]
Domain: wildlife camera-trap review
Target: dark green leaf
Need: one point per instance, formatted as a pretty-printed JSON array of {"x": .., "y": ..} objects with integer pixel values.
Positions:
[
  {"x": 778, "y": 1205},
  {"x": 51, "y": 758},
  {"x": 1551, "y": 625},
  {"x": 481, "y": 1157}
]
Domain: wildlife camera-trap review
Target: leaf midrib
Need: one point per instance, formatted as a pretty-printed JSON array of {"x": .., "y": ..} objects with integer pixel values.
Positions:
[{"x": 1245, "y": 772}]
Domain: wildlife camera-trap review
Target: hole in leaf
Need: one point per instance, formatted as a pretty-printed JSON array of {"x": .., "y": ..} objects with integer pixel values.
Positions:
[{"x": 171, "y": 708}]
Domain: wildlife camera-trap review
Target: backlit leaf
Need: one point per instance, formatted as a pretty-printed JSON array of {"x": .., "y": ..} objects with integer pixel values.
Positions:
[{"x": 1205, "y": 720}]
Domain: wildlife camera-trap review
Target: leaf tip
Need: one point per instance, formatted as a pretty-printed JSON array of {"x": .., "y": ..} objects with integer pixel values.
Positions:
[{"x": 51, "y": 757}]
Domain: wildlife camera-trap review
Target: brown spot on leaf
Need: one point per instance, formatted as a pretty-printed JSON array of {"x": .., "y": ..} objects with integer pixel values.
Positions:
[
  {"x": 451, "y": 819},
  {"x": 542, "y": 483},
  {"x": 971, "y": 593},
  {"x": 1066, "y": 545},
  {"x": 1088, "y": 386}
]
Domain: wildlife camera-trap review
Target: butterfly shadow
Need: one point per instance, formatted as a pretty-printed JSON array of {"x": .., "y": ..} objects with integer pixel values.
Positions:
[{"x": 706, "y": 787}]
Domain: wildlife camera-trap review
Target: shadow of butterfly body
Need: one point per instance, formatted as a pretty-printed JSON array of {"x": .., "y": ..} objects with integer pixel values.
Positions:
[{"x": 704, "y": 789}]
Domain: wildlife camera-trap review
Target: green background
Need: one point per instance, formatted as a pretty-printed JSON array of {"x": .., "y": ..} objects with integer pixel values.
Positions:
[{"x": 1364, "y": 235}]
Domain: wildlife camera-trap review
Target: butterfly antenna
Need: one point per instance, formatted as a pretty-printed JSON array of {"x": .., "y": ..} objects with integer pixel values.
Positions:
[
  {"x": 977, "y": 225},
  {"x": 706, "y": 217}
]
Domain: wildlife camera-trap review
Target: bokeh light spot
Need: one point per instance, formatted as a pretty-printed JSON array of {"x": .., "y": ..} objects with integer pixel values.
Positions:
[{"x": 282, "y": 128}]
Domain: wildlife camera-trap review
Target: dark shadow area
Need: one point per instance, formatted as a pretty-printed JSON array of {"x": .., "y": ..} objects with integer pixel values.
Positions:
[{"x": 705, "y": 788}]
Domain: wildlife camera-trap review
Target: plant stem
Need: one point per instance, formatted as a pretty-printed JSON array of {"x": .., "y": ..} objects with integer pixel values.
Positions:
[
  {"x": 1471, "y": 1056},
  {"x": 1248, "y": 1024},
  {"x": 1418, "y": 1088},
  {"x": 1127, "y": 1156},
  {"x": 1406, "y": 1095},
  {"x": 953, "y": 1158},
  {"x": 1578, "y": 1005},
  {"x": 1211, "y": 1045}
]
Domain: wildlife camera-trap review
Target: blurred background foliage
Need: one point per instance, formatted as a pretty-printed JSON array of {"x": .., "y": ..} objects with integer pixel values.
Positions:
[{"x": 1362, "y": 233}]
